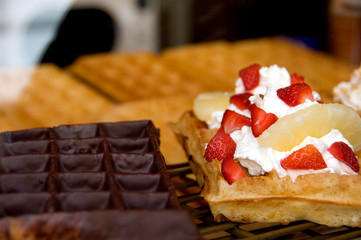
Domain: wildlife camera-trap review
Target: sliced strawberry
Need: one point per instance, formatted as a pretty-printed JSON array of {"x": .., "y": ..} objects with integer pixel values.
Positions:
[
  {"x": 344, "y": 153},
  {"x": 231, "y": 171},
  {"x": 307, "y": 157},
  {"x": 260, "y": 120},
  {"x": 295, "y": 94},
  {"x": 295, "y": 78},
  {"x": 241, "y": 101},
  {"x": 220, "y": 147},
  {"x": 233, "y": 121},
  {"x": 250, "y": 76}
]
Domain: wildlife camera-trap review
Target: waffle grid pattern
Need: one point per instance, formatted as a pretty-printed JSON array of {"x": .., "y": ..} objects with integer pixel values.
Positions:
[
  {"x": 133, "y": 76},
  {"x": 88, "y": 181},
  {"x": 76, "y": 168}
]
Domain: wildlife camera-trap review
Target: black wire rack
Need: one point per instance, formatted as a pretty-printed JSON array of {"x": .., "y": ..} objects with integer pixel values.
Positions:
[{"x": 188, "y": 195}]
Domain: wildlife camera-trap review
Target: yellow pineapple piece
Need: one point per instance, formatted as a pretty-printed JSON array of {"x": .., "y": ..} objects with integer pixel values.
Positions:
[
  {"x": 206, "y": 103},
  {"x": 315, "y": 121}
]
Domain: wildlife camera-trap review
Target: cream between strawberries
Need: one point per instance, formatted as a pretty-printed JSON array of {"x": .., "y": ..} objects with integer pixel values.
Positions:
[{"x": 260, "y": 160}]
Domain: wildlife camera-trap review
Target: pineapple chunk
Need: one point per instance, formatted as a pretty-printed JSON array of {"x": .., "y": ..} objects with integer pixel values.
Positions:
[{"x": 206, "y": 103}]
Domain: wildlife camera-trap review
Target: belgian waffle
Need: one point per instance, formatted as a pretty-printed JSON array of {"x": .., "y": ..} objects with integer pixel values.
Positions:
[
  {"x": 218, "y": 63},
  {"x": 6, "y": 124},
  {"x": 52, "y": 97},
  {"x": 326, "y": 198},
  {"x": 207, "y": 62},
  {"x": 133, "y": 76},
  {"x": 88, "y": 181}
]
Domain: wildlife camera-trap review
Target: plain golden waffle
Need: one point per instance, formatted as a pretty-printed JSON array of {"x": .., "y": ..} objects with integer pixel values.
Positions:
[
  {"x": 6, "y": 123},
  {"x": 161, "y": 111},
  {"x": 325, "y": 198},
  {"x": 52, "y": 97},
  {"x": 218, "y": 63},
  {"x": 133, "y": 76},
  {"x": 206, "y": 62}
]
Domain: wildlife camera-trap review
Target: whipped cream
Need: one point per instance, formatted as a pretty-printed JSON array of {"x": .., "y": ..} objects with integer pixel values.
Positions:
[
  {"x": 273, "y": 76},
  {"x": 260, "y": 160},
  {"x": 349, "y": 93}
]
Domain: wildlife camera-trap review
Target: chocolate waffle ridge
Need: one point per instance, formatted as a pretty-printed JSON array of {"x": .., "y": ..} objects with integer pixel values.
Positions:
[{"x": 88, "y": 181}]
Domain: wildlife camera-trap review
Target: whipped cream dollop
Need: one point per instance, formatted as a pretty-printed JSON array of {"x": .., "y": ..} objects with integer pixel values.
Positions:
[
  {"x": 349, "y": 93},
  {"x": 270, "y": 77},
  {"x": 260, "y": 160}
]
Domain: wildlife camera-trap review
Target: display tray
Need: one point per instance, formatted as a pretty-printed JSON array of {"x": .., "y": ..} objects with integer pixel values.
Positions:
[{"x": 189, "y": 198}]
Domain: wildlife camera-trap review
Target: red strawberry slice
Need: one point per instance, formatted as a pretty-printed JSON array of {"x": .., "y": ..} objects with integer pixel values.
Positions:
[
  {"x": 231, "y": 171},
  {"x": 220, "y": 147},
  {"x": 260, "y": 120},
  {"x": 250, "y": 76},
  {"x": 295, "y": 78},
  {"x": 241, "y": 101},
  {"x": 344, "y": 153},
  {"x": 233, "y": 121},
  {"x": 307, "y": 157},
  {"x": 295, "y": 94}
]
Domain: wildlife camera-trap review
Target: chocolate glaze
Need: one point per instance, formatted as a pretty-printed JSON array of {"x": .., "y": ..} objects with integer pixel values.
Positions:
[{"x": 88, "y": 181}]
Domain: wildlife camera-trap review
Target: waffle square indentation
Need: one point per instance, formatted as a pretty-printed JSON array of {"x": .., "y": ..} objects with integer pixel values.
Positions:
[
  {"x": 68, "y": 176},
  {"x": 71, "y": 168}
]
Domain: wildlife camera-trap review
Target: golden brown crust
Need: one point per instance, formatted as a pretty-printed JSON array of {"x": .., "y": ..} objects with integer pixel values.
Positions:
[
  {"x": 133, "y": 76},
  {"x": 324, "y": 198},
  {"x": 53, "y": 97},
  {"x": 283, "y": 210}
]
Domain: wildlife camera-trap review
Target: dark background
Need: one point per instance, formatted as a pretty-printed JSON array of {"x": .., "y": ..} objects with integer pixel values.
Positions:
[{"x": 194, "y": 21}]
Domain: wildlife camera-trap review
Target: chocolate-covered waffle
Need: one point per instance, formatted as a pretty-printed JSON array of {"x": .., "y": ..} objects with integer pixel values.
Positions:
[{"x": 88, "y": 181}]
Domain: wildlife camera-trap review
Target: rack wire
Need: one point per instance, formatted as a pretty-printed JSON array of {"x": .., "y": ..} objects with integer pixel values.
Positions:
[{"x": 188, "y": 196}]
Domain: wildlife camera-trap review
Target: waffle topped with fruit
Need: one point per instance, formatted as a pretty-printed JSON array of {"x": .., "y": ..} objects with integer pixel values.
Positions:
[{"x": 273, "y": 152}]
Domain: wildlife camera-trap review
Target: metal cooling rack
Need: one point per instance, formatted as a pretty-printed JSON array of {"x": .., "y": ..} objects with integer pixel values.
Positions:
[{"x": 188, "y": 195}]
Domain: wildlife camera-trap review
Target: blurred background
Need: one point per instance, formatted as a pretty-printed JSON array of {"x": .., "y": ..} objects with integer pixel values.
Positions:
[{"x": 34, "y": 31}]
